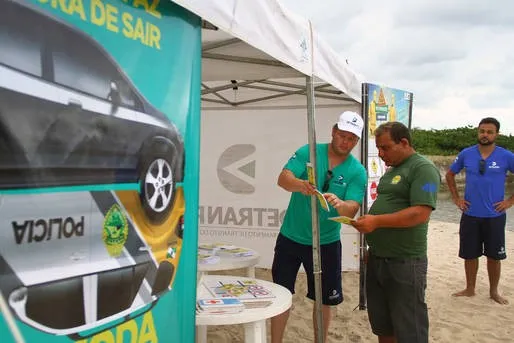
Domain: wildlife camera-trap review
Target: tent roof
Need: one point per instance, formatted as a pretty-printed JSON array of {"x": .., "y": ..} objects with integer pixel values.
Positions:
[{"x": 252, "y": 51}]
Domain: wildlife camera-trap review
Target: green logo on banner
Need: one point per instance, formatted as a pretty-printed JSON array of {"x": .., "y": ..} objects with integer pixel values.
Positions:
[{"x": 115, "y": 231}]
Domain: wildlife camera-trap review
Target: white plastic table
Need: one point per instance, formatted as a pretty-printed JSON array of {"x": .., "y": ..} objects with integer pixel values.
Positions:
[
  {"x": 231, "y": 262},
  {"x": 254, "y": 319}
]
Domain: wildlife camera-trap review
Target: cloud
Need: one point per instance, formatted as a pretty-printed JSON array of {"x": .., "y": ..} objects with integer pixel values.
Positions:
[
  {"x": 456, "y": 14},
  {"x": 454, "y": 55}
]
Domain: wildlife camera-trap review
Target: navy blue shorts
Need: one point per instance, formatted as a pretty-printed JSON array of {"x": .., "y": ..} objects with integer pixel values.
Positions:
[
  {"x": 395, "y": 289},
  {"x": 289, "y": 255},
  {"x": 482, "y": 236}
]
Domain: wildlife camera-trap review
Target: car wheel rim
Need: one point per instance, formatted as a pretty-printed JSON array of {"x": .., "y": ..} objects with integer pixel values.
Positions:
[{"x": 159, "y": 185}]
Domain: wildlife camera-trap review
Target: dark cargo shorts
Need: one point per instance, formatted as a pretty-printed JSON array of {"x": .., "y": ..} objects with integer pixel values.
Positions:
[{"x": 395, "y": 289}]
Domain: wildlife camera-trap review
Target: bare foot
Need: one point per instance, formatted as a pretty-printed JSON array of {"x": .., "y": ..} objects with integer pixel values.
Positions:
[
  {"x": 464, "y": 293},
  {"x": 499, "y": 299}
]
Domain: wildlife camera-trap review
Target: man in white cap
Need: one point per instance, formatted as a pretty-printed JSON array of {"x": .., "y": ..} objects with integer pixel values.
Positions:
[{"x": 342, "y": 179}]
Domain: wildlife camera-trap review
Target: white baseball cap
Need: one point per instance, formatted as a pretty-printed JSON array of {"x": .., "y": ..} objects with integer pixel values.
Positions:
[{"x": 351, "y": 122}]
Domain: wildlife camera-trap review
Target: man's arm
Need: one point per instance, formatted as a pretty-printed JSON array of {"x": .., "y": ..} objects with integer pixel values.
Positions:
[
  {"x": 452, "y": 186},
  {"x": 346, "y": 208},
  {"x": 291, "y": 183},
  {"x": 504, "y": 205},
  {"x": 405, "y": 218}
]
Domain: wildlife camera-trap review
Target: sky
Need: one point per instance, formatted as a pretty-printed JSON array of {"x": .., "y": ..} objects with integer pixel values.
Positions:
[{"x": 456, "y": 56}]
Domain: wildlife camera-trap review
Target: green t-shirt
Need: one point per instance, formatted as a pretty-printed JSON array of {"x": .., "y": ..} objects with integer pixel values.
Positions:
[
  {"x": 348, "y": 182},
  {"x": 414, "y": 182}
]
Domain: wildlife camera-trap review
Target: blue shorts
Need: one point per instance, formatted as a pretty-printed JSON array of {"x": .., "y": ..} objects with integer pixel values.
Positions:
[
  {"x": 395, "y": 290},
  {"x": 289, "y": 255},
  {"x": 482, "y": 236}
]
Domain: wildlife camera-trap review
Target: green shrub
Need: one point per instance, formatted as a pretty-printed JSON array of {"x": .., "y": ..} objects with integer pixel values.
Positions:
[{"x": 451, "y": 141}]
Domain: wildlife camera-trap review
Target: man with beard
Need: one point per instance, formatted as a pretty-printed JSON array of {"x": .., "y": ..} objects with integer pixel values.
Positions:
[
  {"x": 482, "y": 225},
  {"x": 342, "y": 179}
]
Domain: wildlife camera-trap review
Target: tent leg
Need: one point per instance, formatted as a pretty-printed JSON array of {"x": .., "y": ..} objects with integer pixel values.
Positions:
[
  {"x": 362, "y": 272},
  {"x": 316, "y": 257}
]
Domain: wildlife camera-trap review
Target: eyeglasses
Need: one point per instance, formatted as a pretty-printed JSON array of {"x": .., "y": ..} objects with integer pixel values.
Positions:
[
  {"x": 328, "y": 177},
  {"x": 481, "y": 167}
]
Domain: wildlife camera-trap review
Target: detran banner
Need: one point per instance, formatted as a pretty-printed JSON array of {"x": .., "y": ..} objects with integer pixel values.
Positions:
[
  {"x": 381, "y": 105},
  {"x": 99, "y": 111}
]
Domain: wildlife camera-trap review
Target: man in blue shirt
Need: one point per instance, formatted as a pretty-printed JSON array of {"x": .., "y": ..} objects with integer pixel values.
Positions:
[{"x": 482, "y": 225}]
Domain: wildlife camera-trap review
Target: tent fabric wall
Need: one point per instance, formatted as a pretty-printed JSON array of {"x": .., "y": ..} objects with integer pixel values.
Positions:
[{"x": 242, "y": 155}]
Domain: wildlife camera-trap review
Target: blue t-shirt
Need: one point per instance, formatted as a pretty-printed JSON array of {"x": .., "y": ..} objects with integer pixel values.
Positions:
[{"x": 483, "y": 191}]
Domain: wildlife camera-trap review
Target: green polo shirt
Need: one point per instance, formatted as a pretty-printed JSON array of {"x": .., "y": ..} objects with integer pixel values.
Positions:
[
  {"x": 348, "y": 182},
  {"x": 414, "y": 182}
]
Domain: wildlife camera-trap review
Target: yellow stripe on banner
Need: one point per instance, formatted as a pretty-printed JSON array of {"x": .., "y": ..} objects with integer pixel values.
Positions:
[{"x": 159, "y": 237}]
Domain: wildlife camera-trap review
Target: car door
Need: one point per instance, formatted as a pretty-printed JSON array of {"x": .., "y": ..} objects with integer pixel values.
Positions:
[
  {"x": 28, "y": 102},
  {"x": 109, "y": 108}
]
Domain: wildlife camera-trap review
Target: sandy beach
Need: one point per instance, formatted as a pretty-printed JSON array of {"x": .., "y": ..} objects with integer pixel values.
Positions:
[{"x": 458, "y": 320}]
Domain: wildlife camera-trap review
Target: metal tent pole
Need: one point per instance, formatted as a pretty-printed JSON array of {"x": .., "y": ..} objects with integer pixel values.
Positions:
[
  {"x": 316, "y": 257},
  {"x": 364, "y": 208}
]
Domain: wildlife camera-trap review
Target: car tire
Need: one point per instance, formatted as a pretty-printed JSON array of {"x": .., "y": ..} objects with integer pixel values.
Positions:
[
  {"x": 163, "y": 278},
  {"x": 157, "y": 182}
]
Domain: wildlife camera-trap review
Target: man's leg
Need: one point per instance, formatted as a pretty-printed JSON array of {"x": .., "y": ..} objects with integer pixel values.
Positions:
[
  {"x": 331, "y": 282},
  {"x": 494, "y": 271},
  {"x": 278, "y": 326},
  {"x": 471, "y": 269},
  {"x": 378, "y": 305},
  {"x": 284, "y": 271},
  {"x": 406, "y": 293},
  {"x": 494, "y": 249},
  {"x": 471, "y": 248},
  {"x": 327, "y": 316}
]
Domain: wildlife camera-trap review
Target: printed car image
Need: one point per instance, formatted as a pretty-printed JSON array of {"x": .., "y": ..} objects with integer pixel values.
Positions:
[
  {"x": 78, "y": 262},
  {"x": 69, "y": 116},
  {"x": 91, "y": 201}
]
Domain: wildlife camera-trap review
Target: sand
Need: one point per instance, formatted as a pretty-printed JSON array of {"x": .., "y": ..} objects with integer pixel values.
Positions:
[{"x": 457, "y": 320}]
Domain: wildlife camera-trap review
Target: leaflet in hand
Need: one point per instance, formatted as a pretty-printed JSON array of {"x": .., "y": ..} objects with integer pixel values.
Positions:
[
  {"x": 310, "y": 176},
  {"x": 343, "y": 220},
  {"x": 322, "y": 201}
]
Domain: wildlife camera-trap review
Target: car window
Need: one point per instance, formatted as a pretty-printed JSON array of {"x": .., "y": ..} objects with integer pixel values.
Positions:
[
  {"x": 81, "y": 65},
  {"x": 128, "y": 97},
  {"x": 19, "y": 50}
]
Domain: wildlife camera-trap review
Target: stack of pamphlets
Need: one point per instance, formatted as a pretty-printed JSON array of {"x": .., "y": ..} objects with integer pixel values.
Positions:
[
  {"x": 234, "y": 252},
  {"x": 207, "y": 258},
  {"x": 211, "y": 248},
  {"x": 222, "y": 249},
  {"x": 249, "y": 292},
  {"x": 219, "y": 305}
]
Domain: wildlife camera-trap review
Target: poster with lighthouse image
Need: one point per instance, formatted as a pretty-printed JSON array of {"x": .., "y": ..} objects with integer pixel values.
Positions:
[{"x": 381, "y": 104}]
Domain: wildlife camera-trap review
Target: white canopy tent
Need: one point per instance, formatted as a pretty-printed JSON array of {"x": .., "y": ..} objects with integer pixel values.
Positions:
[
  {"x": 261, "y": 40},
  {"x": 255, "y": 57},
  {"x": 262, "y": 67}
]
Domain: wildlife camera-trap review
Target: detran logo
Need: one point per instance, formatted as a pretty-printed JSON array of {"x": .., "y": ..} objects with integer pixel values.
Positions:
[{"x": 236, "y": 169}]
